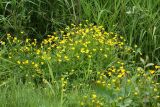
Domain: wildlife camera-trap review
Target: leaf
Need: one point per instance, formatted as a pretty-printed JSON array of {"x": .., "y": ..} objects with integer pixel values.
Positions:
[
  {"x": 147, "y": 58},
  {"x": 127, "y": 102},
  {"x": 149, "y": 64},
  {"x": 142, "y": 60},
  {"x": 7, "y": 60}
]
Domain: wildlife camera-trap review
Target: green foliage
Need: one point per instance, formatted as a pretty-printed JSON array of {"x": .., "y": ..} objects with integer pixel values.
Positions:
[
  {"x": 83, "y": 65},
  {"x": 136, "y": 20},
  {"x": 80, "y": 65}
]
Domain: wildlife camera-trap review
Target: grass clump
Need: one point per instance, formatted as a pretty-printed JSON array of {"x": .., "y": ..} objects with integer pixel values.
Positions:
[
  {"x": 136, "y": 20},
  {"x": 81, "y": 65}
]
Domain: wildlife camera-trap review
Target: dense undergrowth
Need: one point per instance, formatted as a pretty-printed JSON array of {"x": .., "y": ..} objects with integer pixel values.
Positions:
[
  {"x": 136, "y": 20},
  {"x": 112, "y": 59},
  {"x": 78, "y": 66}
]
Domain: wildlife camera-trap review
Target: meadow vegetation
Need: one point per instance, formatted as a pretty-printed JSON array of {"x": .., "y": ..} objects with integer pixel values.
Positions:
[{"x": 79, "y": 53}]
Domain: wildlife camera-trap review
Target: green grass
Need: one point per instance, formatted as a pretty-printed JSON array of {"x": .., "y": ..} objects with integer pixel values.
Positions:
[
  {"x": 79, "y": 66},
  {"x": 71, "y": 53},
  {"x": 136, "y": 20}
]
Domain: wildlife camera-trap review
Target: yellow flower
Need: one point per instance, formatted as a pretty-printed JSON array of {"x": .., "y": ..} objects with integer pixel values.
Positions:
[
  {"x": 157, "y": 67},
  {"x": 135, "y": 93},
  {"x": 3, "y": 43},
  {"x": 62, "y": 79},
  {"x": 89, "y": 56},
  {"x": 35, "y": 65},
  {"x": 87, "y": 51},
  {"x": 113, "y": 80},
  {"x": 120, "y": 98},
  {"x": 94, "y": 96},
  {"x": 128, "y": 81},
  {"x": 27, "y": 40},
  {"x": 14, "y": 39},
  {"x": 93, "y": 101},
  {"x": 66, "y": 58},
  {"x": 26, "y": 61},
  {"x": 18, "y": 62},
  {"x": 152, "y": 71},
  {"x": 94, "y": 50},
  {"x": 109, "y": 85},
  {"x": 105, "y": 55},
  {"x": 113, "y": 70},
  {"x": 98, "y": 72},
  {"x": 78, "y": 56},
  {"x": 123, "y": 70},
  {"x": 73, "y": 48},
  {"x": 120, "y": 75},
  {"x": 59, "y": 60},
  {"x": 155, "y": 89},
  {"x": 38, "y": 52},
  {"x": 109, "y": 73},
  {"x": 42, "y": 63},
  {"x": 139, "y": 69},
  {"x": 82, "y": 50},
  {"x": 82, "y": 103},
  {"x": 98, "y": 81}
]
